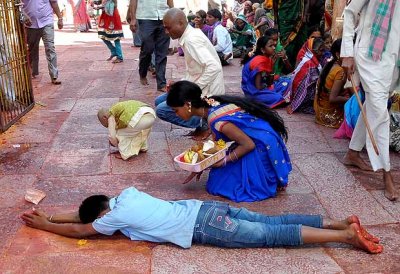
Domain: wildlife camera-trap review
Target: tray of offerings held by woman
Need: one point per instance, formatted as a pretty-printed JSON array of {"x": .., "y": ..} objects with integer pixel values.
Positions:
[{"x": 202, "y": 155}]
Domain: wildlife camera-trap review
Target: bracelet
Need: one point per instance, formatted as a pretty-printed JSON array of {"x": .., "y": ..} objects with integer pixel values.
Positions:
[{"x": 51, "y": 218}]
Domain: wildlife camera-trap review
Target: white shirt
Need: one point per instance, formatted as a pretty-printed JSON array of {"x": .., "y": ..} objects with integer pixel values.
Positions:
[
  {"x": 151, "y": 9},
  {"x": 366, "y": 10},
  {"x": 203, "y": 66},
  {"x": 222, "y": 40}
]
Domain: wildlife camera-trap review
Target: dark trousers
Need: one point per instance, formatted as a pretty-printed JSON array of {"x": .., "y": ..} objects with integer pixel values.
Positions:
[
  {"x": 47, "y": 34},
  {"x": 154, "y": 39}
]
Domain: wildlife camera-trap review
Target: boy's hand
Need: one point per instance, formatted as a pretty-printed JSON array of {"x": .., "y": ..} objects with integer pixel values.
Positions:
[{"x": 36, "y": 219}]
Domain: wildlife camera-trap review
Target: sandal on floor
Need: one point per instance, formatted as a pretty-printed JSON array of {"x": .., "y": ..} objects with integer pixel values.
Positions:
[
  {"x": 110, "y": 58},
  {"x": 55, "y": 81},
  {"x": 117, "y": 61}
]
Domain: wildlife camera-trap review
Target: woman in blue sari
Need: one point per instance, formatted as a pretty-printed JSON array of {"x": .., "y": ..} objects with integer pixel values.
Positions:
[
  {"x": 258, "y": 79},
  {"x": 259, "y": 164}
]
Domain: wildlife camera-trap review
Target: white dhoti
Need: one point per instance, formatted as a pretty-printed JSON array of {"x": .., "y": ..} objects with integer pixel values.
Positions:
[
  {"x": 133, "y": 138},
  {"x": 378, "y": 78}
]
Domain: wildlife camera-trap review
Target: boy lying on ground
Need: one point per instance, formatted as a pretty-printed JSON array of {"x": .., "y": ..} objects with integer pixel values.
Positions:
[{"x": 140, "y": 216}]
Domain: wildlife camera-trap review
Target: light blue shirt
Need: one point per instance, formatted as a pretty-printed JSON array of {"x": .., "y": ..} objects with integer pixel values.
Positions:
[
  {"x": 151, "y": 9},
  {"x": 142, "y": 217}
]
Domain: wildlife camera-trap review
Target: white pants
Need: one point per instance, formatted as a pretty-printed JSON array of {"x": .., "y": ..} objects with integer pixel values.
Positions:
[
  {"x": 377, "y": 92},
  {"x": 133, "y": 139}
]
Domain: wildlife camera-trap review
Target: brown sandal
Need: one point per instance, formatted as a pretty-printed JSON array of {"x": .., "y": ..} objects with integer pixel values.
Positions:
[
  {"x": 117, "y": 61},
  {"x": 55, "y": 81}
]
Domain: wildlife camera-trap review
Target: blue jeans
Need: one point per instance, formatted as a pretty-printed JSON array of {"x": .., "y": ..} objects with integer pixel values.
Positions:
[
  {"x": 154, "y": 39},
  {"x": 219, "y": 224},
  {"x": 166, "y": 113},
  {"x": 115, "y": 50}
]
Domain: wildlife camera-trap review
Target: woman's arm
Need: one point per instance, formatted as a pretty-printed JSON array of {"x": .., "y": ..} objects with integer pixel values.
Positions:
[
  {"x": 258, "y": 81},
  {"x": 244, "y": 142},
  {"x": 335, "y": 96}
]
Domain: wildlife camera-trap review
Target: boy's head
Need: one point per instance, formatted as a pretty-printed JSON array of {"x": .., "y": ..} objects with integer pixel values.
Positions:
[
  {"x": 93, "y": 207},
  {"x": 213, "y": 16},
  {"x": 103, "y": 115}
]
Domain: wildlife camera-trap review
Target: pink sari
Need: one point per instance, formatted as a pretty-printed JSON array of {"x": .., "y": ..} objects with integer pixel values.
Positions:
[{"x": 81, "y": 17}]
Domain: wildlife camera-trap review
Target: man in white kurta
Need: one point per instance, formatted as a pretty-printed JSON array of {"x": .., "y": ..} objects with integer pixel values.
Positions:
[
  {"x": 378, "y": 78},
  {"x": 203, "y": 67}
]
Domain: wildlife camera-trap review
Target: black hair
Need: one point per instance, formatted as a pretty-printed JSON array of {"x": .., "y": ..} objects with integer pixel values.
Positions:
[
  {"x": 91, "y": 208},
  {"x": 261, "y": 42},
  {"x": 314, "y": 29},
  {"x": 271, "y": 31},
  {"x": 317, "y": 43},
  {"x": 215, "y": 13},
  {"x": 335, "y": 48},
  {"x": 184, "y": 91}
]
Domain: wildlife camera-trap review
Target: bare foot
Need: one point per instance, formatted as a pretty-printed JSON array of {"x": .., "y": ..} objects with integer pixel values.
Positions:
[
  {"x": 353, "y": 219},
  {"x": 356, "y": 239},
  {"x": 281, "y": 188},
  {"x": 144, "y": 82},
  {"x": 352, "y": 158},
  {"x": 390, "y": 191},
  {"x": 118, "y": 155}
]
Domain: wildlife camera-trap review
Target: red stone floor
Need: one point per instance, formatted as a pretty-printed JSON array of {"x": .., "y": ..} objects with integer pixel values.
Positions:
[{"x": 64, "y": 151}]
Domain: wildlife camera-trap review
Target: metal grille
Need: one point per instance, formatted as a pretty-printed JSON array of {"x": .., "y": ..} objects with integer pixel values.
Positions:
[{"x": 16, "y": 97}]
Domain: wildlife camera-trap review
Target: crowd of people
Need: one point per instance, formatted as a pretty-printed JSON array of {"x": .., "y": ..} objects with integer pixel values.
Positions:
[{"x": 289, "y": 61}]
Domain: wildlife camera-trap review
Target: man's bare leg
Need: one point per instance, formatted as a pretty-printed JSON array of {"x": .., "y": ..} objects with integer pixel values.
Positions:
[
  {"x": 351, "y": 235},
  {"x": 390, "y": 190},
  {"x": 143, "y": 81},
  {"x": 353, "y": 158}
]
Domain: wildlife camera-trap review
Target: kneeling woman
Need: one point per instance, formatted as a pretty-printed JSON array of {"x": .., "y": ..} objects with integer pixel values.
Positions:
[
  {"x": 331, "y": 94},
  {"x": 259, "y": 164},
  {"x": 258, "y": 79}
]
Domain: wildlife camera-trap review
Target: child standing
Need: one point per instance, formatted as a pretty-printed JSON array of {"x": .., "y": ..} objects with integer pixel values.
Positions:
[{"x": 110, "y": 29}]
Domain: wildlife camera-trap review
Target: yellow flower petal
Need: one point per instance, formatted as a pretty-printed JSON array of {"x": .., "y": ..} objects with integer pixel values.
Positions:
[{"x": 82, "y": 242}]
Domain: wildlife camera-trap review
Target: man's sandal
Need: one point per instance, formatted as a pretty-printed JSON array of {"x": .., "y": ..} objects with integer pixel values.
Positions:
[{"x": 55, "y": 81}]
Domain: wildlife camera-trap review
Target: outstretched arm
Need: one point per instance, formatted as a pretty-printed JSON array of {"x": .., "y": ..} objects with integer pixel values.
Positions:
[{"x": 39, "y": 220}]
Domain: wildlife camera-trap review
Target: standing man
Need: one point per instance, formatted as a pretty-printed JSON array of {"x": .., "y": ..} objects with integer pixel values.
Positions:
[
  {"x": 148, "y": 15},
  {"x": 202, "y": 67},
  {"x": 375, "y": 56},
  {"x": 40, "y": 25}
]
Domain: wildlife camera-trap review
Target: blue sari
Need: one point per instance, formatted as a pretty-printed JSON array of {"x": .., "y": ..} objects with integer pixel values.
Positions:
[
  {"x": 256, "y": 175},
  {"x": 271, "y": 96}
]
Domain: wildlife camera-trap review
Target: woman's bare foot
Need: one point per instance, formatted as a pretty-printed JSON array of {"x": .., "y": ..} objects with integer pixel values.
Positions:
[
  {"x": 390, "y": 191},
  {"x": 353, "y": 219},
  {"x": 352, "y": 158},
  {"x": 144, "y": 82},
  {"x": 356, "y": 239}
]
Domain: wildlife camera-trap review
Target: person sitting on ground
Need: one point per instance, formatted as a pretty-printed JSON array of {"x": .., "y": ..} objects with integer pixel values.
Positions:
[
  {"x": 281, "y": 61},
  {"x": 331, "y": 94},
  {"x": 248, "y": 12},
  {"x": 141, "y": 217},
  {"x": 259, "y": 164},
  {"x": 220, "y": 36},
  {"x": 202, "y": 67},
  {"x": 200, "y": 23},
  {"x": 129, "y": 124},
  {"x": 302, "y": 91},
  {"x": 258, "y": 79},
  {"x": 262, "y": 22},
  {"x": 243, "y": 37},
  {"x": 314, "y": 32}
]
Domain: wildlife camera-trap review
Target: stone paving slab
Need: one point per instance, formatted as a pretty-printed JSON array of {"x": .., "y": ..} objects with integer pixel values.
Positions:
[
  {"x": 338, "y": 190},
  {"x": 34, "y": 251},
  {"x": 64, "y": 152},
  {"x": 199, "y": 259},
  {"x": 353, "y": 261}
]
